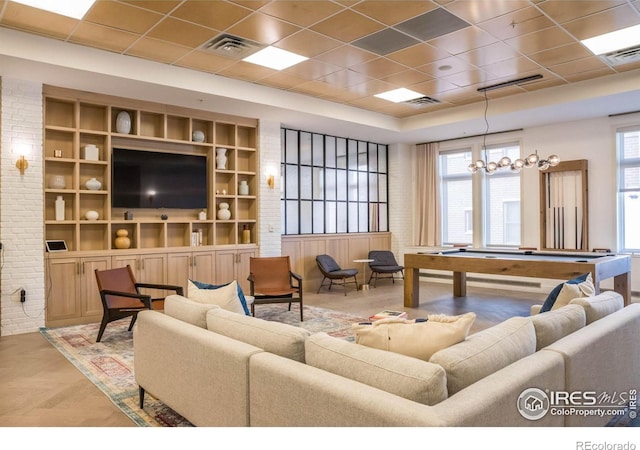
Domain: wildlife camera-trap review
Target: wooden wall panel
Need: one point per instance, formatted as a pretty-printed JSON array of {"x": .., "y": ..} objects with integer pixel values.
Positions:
[{"x": 303, "y": 249}]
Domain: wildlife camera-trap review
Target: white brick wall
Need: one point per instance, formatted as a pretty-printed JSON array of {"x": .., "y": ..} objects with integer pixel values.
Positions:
[
  {"x": 21, "y": 207},
  {"x": 401, "y": 192},
  {"x": 269, "y": 210}
]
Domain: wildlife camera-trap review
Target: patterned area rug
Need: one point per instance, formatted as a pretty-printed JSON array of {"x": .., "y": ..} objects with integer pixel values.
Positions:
[{"x": 109, "y": 363}]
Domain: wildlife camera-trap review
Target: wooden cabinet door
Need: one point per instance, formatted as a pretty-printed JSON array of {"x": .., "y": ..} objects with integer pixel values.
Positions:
[
  {"x": 179, "y": 269},
  {"x": 203, "y": 267},
  {"x": 91, "y": 304},
  {"x": 242, "y": 267},
  {"x": 225, "y": 266},
  {"x": 63, "y": 301},
  {"x": 153, "y": 269},
  {"x": 124, "y": 260}
]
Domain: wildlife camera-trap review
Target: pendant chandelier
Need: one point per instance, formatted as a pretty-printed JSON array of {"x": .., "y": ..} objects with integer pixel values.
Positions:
[{"x": 533, "y": 160}]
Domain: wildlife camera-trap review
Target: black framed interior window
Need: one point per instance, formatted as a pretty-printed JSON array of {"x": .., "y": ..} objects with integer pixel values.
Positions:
[{"x": 332, "y": 184}]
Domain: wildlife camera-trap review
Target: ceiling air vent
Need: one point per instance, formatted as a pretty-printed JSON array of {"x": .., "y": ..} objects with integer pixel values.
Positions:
[
  {"x": 624, "y": 56},
  {"x": 421, "y": 101},
  {"x": 231, "y": 46}
]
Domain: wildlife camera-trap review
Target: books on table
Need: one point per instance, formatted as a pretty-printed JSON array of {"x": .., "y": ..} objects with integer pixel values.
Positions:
[{"x": 387, "y": 313}]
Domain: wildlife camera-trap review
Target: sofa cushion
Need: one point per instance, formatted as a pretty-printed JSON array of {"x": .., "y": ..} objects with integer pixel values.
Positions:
[
  {"x": 600, "y": 305},
  {"x": 563, "y": 293},
  {"x": 418, "y": 338},
  {"x": 182, "y": 308},
  {"x": 241, "y": 296},
  {"x": 553, "y": 325},
  {"x": 226, "y": 297},
  {"x": 275, "y": 337},
  {"x": 410, "y": 378},
  {"x": 486, "y": 352}
]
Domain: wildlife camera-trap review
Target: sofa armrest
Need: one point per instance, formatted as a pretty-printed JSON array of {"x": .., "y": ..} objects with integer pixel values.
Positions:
[
  {"x": 495, "y": 397},
  {"x": 199, "y": 374},
  {"x": 535, "y": 309}
]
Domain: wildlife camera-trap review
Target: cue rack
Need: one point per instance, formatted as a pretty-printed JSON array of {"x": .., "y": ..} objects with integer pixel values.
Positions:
[{"x": 564, "y": 212}]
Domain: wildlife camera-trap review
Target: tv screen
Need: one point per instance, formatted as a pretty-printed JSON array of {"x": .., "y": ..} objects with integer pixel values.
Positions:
[{"x": 146, "y": 179}]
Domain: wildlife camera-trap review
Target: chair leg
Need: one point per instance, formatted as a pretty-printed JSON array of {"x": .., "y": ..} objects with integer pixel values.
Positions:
[
  {"x": 133, "y": 321},
  {"x": 344, "y": 285},
  {"x": 355, "y": 280},
  {"x": 103, "y": 325},
  {"x": 321, "y": 284},
  {"x": 253, "y": 309},
  {"x": 141, "y": 396}
]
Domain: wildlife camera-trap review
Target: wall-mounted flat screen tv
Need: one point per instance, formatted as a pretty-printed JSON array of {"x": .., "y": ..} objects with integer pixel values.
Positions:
[{"x": 147, "y": 179}]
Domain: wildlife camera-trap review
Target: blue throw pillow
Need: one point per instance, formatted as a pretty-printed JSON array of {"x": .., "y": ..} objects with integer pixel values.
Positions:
[
  {"x": 201, "y": 285},
  {"x": 553, "y": 295}
]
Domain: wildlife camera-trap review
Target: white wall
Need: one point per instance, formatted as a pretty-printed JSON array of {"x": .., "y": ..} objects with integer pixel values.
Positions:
[
  {"x": 21, "y": 207},
  {"x": 269, "y": 211}
]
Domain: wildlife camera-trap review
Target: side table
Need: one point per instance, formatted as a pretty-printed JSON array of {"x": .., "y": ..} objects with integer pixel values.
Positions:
[{"x": 364, "y": 286}]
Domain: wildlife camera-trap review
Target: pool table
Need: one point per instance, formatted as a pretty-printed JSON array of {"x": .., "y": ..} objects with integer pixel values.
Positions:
[{"x": 522, "y": 263}]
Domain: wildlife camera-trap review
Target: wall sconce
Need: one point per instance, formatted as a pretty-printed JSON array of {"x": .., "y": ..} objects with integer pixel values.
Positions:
[
  {"x": 22, "y": 164},
  {"x": 271, "y": 180}
]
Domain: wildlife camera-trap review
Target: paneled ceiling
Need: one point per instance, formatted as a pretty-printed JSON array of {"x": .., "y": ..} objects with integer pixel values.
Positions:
[{"x": 444, "y": 49}]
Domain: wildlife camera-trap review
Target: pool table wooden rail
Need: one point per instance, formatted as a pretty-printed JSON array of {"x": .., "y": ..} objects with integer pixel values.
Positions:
[{"x": 601, "y": 267}]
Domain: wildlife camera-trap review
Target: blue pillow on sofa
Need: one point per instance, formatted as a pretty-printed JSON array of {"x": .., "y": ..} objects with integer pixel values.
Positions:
[
  {"x": 553, "y": 295},
  {"x": 201, "y": 285}
]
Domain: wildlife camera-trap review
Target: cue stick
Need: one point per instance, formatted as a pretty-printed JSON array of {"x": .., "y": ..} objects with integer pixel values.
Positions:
[{"x": 575, "y": 209}]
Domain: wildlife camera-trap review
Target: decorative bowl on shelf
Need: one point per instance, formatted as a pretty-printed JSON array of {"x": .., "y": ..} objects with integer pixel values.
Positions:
[
  {"x": 93, "y": 184},
  {"x": 92, "y": 215}
]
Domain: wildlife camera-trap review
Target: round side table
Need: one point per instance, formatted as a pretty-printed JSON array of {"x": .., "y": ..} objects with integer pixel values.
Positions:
[{"x": 364, "y": 286}]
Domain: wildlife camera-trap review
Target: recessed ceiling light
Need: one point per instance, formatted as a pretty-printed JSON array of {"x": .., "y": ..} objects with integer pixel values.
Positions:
[
  {"x": 275, "y": 58},
  {"x": 616, "y": 40},
  {"x": 75, "y": 9},
  {"x": 399, "y": 95}
]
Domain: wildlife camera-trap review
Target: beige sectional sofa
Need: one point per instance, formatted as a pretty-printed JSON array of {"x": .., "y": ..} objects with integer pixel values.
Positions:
[{"x": 218, "y": 368}]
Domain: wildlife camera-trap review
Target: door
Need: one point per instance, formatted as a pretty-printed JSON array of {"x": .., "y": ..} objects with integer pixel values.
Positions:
[
  {"x": 63, "y": 301},
  {"x": 91, "y": 304}
]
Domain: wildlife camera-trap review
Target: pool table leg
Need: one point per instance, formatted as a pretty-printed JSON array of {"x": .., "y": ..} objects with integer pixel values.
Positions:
[
  {"x": 459, "y": 284},
  {"x": 411, "y": 287},
  {"x": 622, "y": 285}
]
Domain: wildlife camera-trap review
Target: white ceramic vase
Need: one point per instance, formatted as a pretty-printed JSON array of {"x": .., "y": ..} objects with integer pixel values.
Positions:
[
  {"x": 197, "y": 136},
  {"x": 221, "y": 158},
  {"x": 243, "y": 189},
  {"x": 92, "y": 215},
  {"x": 123, "y": 122},
  {"x": 93, "y": 184},
  {"x": 223, "y": 212}
]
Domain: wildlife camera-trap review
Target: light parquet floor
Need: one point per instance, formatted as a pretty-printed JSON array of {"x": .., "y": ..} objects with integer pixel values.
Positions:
[{"x": 39, "y": 387}]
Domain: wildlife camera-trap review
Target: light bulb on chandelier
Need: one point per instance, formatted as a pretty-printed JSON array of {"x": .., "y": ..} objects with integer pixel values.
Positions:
[{"x": 533, "y": 160}]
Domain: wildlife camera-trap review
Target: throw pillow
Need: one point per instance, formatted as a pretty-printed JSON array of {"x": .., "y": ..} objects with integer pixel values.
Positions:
[
  {"x": 226, "y": 296},
  {"x": 418, "y": 338},
  {"x": 243, "y": 300},
  {"x": 563, "y": 293}
]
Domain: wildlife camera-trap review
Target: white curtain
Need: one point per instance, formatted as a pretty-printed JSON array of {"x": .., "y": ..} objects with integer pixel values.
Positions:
[{"x": 427, "y": 226}]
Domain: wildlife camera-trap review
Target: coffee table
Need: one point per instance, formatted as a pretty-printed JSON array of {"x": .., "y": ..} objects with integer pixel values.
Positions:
[{"x": 364, "y": 286}]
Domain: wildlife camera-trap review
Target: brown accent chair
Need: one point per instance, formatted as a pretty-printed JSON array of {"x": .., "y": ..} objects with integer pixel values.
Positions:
[
  {"x": 384, "y": 263},
  {"x": 121, "y": 297},
  {"x": 272, "y": 281},
  {"x": 334, "y": 273}
]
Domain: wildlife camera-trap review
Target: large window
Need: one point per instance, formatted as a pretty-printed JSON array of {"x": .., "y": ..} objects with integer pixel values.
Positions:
[
  {"x": 456, "y": 190},
  {"x": 497, "y": 222},
  {"x": 628, "y": 150},
  {"x": 332, "y": 184},
  {"x": 502, "y": 199}
]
